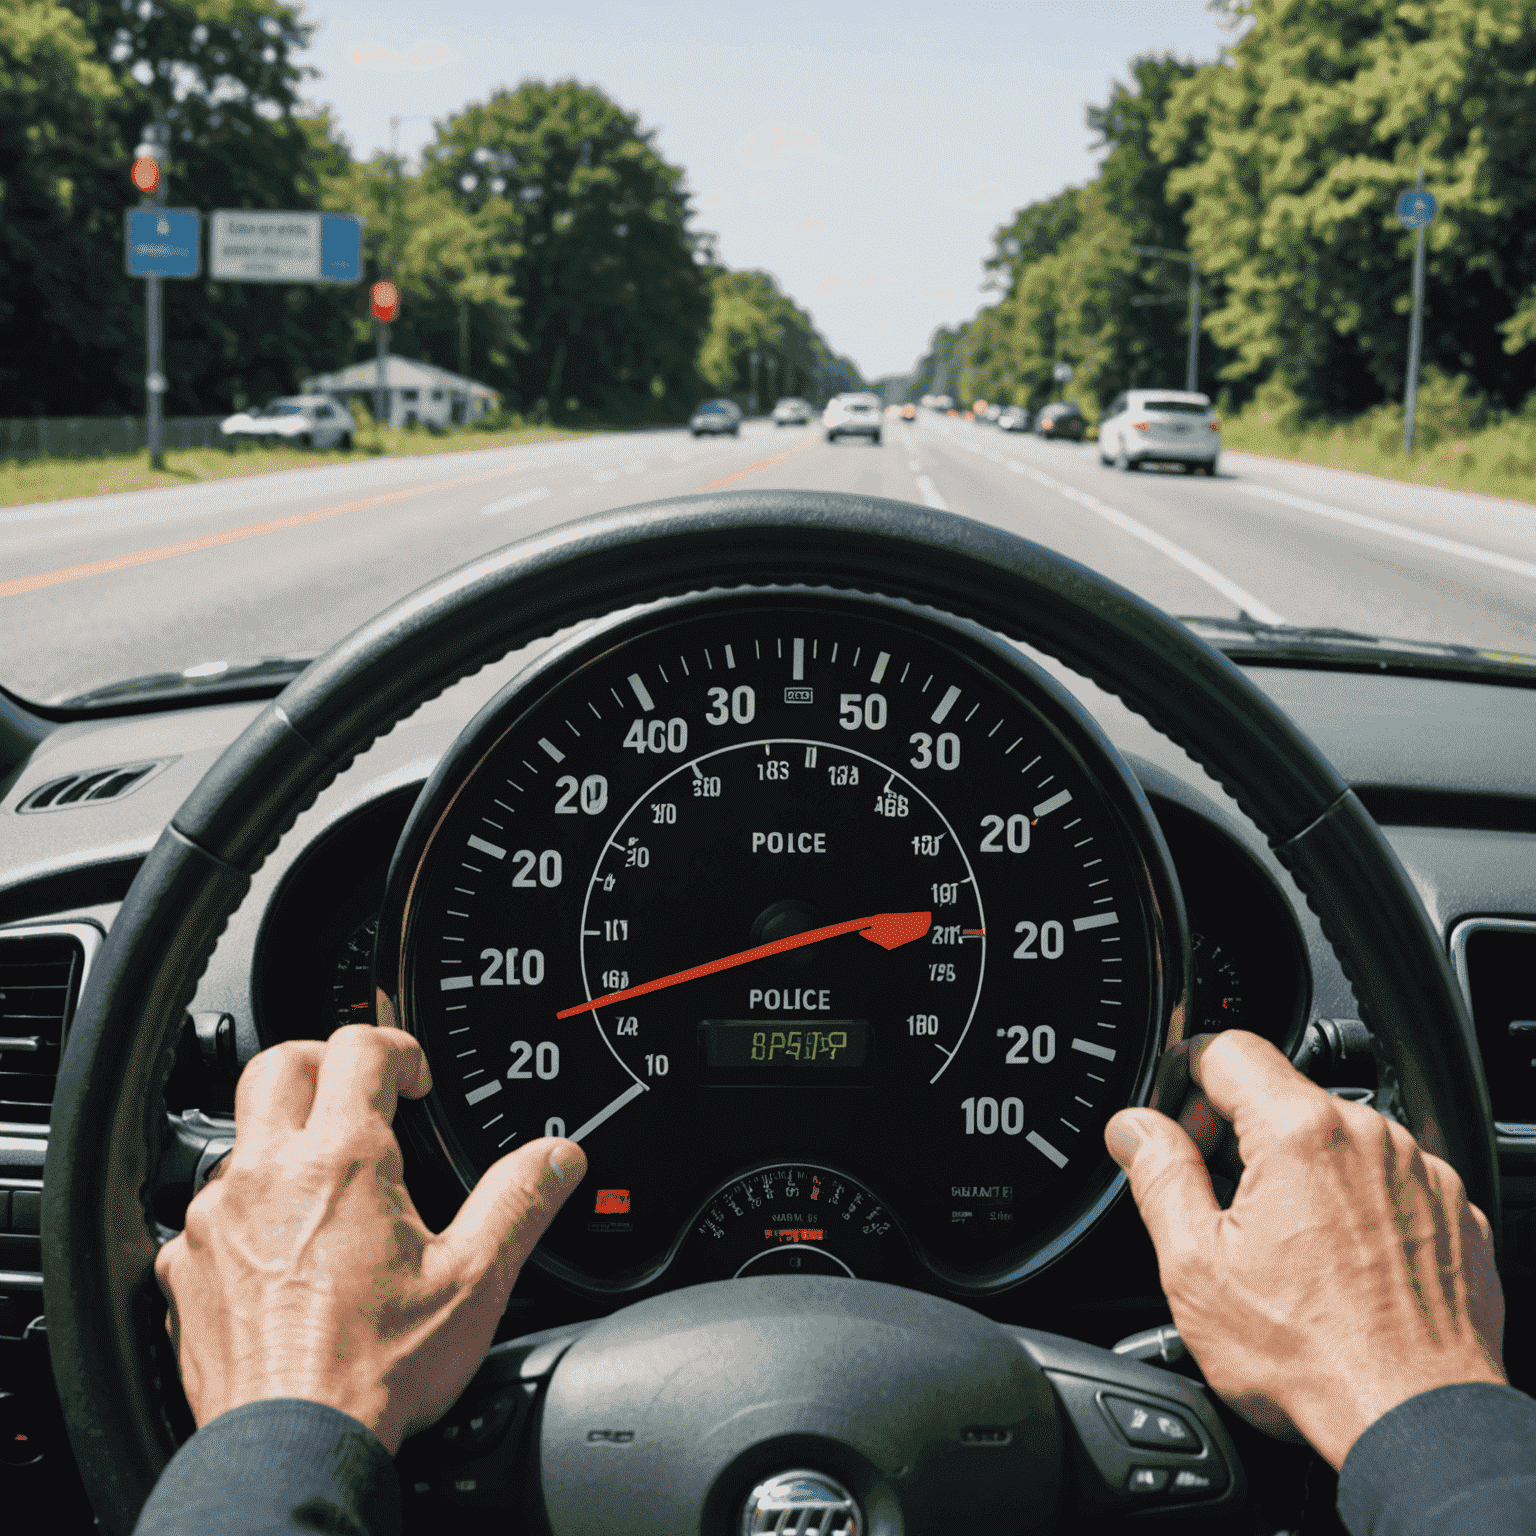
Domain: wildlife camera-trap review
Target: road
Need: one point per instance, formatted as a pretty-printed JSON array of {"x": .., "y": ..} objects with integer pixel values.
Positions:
[{"x": 95, "y": 590}]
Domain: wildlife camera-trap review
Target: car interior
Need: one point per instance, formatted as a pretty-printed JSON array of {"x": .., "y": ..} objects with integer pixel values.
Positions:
[{"x": 854, "y": 862}]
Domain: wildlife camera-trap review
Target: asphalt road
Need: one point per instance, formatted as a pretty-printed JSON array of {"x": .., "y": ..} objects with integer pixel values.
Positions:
[{"x": 95, "y": 590}]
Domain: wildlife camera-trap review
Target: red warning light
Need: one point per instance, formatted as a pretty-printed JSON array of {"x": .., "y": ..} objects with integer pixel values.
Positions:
[
  {"x": 612, "y": 1202},
  {"x": 384, "y": 301},
  {"x": 146, "y": 173}
]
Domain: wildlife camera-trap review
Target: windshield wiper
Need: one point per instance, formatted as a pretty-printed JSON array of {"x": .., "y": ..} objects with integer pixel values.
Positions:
[
  {"x": 1248, "y": 639},
  {"x": 263, "y": 678}
]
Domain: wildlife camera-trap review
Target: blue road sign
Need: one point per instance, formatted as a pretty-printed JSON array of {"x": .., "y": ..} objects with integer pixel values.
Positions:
[
  {"x": 164, "y": 242},
  {"x": 1417, "y": 208},
  {"x": 341, "y": 248}
]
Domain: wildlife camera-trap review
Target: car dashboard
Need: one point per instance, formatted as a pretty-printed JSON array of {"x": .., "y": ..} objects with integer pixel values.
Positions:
[{"x": 1443, "y": 764}]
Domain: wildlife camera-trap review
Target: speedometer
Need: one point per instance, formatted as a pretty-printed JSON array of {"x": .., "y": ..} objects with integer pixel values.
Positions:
[{"x": 769, "y": 877}]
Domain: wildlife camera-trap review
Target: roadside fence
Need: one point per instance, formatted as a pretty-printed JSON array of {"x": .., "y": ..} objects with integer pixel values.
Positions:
[{"x": 97, "y": 437}]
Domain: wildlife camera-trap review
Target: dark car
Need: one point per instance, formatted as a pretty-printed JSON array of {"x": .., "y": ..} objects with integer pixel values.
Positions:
[
  {"x": 715, "y": 417},
  {"x": 1061, "y": 419},
  {"x": 1013, "y": 418}
]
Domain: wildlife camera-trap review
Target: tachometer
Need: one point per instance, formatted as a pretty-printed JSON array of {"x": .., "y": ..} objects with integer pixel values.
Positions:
[{"x": 778, "y": 875}]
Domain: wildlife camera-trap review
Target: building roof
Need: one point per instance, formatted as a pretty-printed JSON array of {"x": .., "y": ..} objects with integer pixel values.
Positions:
[{"x": 399, "y": 373}]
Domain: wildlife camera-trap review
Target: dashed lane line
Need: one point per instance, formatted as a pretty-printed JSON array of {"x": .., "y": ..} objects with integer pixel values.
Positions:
[
  {"x": 23, "y": 584},
  {"x": 1396, "y": 531},
  {"x": 926, "y": 490},
  {"x": 510, "y": 503},
  {"x": 758, "y": 468},
  {"x": 1238, "y": 596}
]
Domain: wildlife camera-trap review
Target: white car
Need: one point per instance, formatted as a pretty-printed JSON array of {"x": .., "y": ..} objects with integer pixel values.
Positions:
[
  {"x": 792, "y": 411},
  {"x": 309, "y": 421},
  {"x": 852, "y": 415},
  {"x": 1160, "y": 426}
]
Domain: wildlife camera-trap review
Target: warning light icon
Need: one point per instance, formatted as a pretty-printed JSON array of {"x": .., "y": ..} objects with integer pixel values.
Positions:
[{"x": 612, "y": 1202}]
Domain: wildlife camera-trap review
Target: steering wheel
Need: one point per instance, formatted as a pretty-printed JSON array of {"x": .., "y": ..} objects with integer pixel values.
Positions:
[{"x": 109, "y": 1148}]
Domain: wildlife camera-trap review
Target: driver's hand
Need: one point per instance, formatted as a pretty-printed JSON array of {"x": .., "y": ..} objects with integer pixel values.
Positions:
[
  {"x": 304, "y": 1270},
  {"x": 1350, "y": 1272}
]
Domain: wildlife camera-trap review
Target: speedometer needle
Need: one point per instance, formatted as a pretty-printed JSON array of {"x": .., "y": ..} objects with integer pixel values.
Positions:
[{"x": 890, "y": 930}]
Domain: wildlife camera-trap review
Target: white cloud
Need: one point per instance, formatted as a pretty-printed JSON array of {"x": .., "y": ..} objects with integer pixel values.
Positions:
[
  {"x": 983, "y": 195},
  {"x": 808, "y": 226},
  {"x": 714, "y": 199},
  {"x": 845, "y": 284},
  {"x": 938, "y": 293},
  {"x": 424, "y": 54},
  {"x": 771, "y": 144}
]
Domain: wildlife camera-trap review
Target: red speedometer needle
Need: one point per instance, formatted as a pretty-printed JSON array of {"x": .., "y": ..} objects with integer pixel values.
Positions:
[{"x": 890, "y": 930}]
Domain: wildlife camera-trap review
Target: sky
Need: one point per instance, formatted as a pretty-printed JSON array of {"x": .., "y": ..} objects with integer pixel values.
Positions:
[{"x": 863, "y": 154}]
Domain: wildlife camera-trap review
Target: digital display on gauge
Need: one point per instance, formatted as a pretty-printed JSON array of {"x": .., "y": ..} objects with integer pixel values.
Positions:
[{"x": 752, "y": 1045}]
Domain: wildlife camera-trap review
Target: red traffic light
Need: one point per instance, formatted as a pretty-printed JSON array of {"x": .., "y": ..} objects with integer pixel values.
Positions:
[
  {"x": 384, "y": 301},
  {"x": 146, "y": 173}
]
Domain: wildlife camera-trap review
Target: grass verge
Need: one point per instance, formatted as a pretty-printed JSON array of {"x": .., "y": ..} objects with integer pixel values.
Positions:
[
  {"x": 59, "y": 479},
  {"x": 1496, "y": 459}
]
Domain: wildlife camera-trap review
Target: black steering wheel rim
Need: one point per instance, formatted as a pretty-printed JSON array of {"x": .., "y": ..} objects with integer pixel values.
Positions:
[{"x": 99, "y": 1238}]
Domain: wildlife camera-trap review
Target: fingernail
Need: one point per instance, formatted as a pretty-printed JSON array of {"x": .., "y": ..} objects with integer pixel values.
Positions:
[
  {"x": 1122, "y": 1139},
  {"x": 568, "y": 1163}
]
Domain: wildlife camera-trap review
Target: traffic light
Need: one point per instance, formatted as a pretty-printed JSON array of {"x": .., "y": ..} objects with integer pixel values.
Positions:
[
  {"x": 145, "y": 173},
  {"x": 384, "y": 301}
]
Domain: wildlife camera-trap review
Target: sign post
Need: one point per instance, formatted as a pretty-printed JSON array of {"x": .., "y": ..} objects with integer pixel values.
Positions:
[
  {"x": 384, "y": 302},
  {"x": 1416, "y": 210}
]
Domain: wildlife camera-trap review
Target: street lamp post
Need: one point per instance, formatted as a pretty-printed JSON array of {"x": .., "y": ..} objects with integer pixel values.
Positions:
[{"x": 1192, "y": 360}]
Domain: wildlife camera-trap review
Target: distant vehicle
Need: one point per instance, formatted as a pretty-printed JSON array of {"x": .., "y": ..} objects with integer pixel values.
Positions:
[
  {"x": 852, "y": 416},
  {"x": 1161, "y": 426},
  {"x": 716, "y": 417},
  {"x": 991, "y": 413},
  {"x": 939, "y": 403},
  {"x": 1061, "y": 419},
  {"x": 306, "y": 421},
  {"x": 792, "y": 411},
  {"x": 1013, "y": 418}
]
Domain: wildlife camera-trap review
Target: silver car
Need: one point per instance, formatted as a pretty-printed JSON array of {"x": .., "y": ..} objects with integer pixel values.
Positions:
[
  {"x": 852, "y": 415},
  {"x": 1161, "y": 426},
  {"x": 304, "y": 421},
  {"x": 792, "y": 411}
]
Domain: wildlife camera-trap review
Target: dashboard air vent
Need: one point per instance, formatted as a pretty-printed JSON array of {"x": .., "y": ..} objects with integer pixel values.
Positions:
[
  {"x": 42, "y": 970},
  {"x": 88, "y": 788},
  {"x": 1495, "y": 960}
]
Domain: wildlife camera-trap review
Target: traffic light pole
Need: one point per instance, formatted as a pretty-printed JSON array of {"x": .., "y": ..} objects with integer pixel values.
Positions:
[
  {"x": 154, "y": 371},
  {"x": 381, "y": 381}
]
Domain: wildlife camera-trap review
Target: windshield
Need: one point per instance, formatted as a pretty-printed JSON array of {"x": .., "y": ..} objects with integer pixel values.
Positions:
[{"x": 558, "y": 268}]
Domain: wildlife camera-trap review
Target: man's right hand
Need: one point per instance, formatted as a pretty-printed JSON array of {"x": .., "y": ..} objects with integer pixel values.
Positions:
[{"x": 1350, "y": 1272}]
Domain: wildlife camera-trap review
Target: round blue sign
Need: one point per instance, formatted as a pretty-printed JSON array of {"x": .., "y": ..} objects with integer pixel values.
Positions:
[{"x": 1417, "y": 208}]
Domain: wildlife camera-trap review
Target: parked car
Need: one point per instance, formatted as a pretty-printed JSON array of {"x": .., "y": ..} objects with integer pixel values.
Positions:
[
  {"x": 852, "y": 416},
  {"x": 307, "y": 421},
  {"x": 1161, "y": 426},
  {"x": 1013, "y": 418},
  {"x": 716, "y": 417},
  {"x": 1061, "y": 419},
  {"x": 992, "y": 412},
  {"x": 792, "y": 411}
]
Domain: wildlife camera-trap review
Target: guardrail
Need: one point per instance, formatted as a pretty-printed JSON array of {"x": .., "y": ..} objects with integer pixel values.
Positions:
[{"x": 98, "y": 437}]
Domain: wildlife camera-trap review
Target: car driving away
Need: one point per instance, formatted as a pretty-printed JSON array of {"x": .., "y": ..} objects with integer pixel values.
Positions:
[
  {"x": 1161, "y": 426},
  {"x": 716, "y": 418},
  {"x": 792, "y": 411},
  {"x": 303, "y": 421},
  {"x": 853, "y": 415},
  {"x": 1061, "y": 421},
  {"x": 1013, "y": 418}
]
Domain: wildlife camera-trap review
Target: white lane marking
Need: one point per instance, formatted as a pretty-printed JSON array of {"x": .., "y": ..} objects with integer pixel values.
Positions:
[
  {"x": 1098, "y": 920},
  {"x": 552, "y": 749},
  {"x": 508, "y": 503},
  {"x": 1092, "y": 1048},
  {"x": 456, "y": 983},
  {"x": 1055, "y": 803},
  {"x": 1397, "y": 531},
  {"x": 1238, "y": 596},
  {"x": 914, "y": 465},
  {"x": 1040, "y": 1144},
  {"x": 608, "y": 1113},
  {"x": 634, "y": 467},
  {"x": 641, "y": 692},
  {"x": 930, "y": 496},
  {"x": 945, "y": 704},
  {"x": 481, "y": 846},
  {"x": 606, "y": 474}
]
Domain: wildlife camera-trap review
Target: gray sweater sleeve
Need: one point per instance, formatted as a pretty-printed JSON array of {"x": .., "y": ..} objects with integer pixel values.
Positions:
[
  {"x": 275, "y": 1467},
  {"x": 1457, "y": 1461}
]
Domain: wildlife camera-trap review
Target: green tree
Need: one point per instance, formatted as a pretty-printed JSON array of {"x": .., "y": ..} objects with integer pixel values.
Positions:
[
  {"x": 1323, "y": 113},
  {"x": 587, "y": 223}
]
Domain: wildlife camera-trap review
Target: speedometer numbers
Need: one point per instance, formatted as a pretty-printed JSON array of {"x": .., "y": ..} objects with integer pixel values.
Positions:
[{"x": 781, "y": 876}]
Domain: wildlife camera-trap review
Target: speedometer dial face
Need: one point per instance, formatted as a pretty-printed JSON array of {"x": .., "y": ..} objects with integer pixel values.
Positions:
[{"x": 752, "y": 879}]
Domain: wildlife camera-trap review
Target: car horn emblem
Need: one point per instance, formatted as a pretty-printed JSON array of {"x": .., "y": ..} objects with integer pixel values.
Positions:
[{"x": 802, "y": 1504}]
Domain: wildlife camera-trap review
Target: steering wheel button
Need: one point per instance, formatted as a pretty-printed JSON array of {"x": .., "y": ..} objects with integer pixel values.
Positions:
[
  {"x": 1147, "y": 1479},
  {"x": 1193, "y": 1482},
  {"x": 1151, "y": 1426}
]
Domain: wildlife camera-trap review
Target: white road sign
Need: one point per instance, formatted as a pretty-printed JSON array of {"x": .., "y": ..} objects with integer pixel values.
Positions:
[{"x": 248, "y": 246}]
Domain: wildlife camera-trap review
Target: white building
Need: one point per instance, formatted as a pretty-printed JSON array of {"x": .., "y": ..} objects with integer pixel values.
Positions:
[{"x": 417, "y": 392}]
